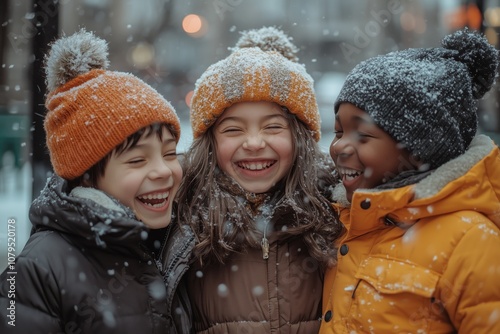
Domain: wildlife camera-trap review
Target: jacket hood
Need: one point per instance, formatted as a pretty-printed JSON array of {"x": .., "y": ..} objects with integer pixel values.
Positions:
[
  {"x": 87, "y": 213},
  {"x": 468, "y": 182}
]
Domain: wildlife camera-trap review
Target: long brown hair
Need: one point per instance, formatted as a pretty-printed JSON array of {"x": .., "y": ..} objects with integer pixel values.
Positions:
[{"x": 224, "y": 224}]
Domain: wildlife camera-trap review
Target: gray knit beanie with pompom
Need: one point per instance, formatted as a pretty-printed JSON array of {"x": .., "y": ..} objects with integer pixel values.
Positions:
[{"x": 426, "y": 99}]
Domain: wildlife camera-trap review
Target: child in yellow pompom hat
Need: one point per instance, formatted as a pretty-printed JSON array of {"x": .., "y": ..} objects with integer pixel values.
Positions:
[
  {"x": 255, "y": 192},
  {"x": 96, "y": 260}
]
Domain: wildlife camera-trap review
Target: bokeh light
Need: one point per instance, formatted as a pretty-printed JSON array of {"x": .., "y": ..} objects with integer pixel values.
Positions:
[
  {"x": 194, "y": 25},
  {"x": 142, "y": 55},
  {"x": 188, "y": 98}
]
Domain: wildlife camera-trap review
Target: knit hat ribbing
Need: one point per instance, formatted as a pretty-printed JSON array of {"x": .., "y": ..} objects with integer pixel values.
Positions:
[
  {"x": 426, "y": 98},
  {"x": 91, "y": 110},
  {"x": 262, "y": 67}
]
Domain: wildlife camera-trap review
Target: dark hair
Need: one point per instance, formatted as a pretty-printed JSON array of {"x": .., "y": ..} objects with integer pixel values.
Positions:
[{"x": 92, "y": 175}]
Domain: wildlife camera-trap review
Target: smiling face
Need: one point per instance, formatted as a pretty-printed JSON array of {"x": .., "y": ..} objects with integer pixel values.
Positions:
[
  {"x": 145, "y": 177},
  {"x": 365, "y": 155},
  {"x": 254, "y": 144}
]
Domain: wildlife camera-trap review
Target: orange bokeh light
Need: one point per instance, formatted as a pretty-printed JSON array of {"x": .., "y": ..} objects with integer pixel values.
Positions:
[
  {"x": 192, "y": 23},
  {"x": 188, "y": 98},
  {"x": 466, "y": 15}
]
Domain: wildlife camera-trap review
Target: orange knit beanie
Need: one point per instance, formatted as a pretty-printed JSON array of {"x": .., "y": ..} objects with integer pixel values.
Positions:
[
  {"x": 262, "y": 67},
  {"x": 91, "y": 110}
]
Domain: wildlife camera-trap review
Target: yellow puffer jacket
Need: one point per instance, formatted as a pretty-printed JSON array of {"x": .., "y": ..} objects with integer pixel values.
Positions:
[{"x": 423, "y": 258}]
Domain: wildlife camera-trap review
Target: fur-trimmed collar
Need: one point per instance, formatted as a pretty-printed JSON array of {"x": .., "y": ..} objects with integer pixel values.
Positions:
[{"x": 97, "y": 196}]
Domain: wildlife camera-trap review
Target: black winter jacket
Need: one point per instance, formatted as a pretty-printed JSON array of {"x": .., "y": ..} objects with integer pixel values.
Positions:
[{"x": 90, "y": 267}]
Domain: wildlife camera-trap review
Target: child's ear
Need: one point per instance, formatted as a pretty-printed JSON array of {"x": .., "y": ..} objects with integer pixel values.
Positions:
[{"x": 86, "y": 183}]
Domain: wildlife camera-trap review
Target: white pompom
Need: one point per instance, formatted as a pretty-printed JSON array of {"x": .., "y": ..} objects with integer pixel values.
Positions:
[
  {"x": 74, "y": 55},
  {"x": 268, "y": 39}
]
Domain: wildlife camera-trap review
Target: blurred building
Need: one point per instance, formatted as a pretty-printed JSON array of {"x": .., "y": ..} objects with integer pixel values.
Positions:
[{"x": 169, "y": 43}]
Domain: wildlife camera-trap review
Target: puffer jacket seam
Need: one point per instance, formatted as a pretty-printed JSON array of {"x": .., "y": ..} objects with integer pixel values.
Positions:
[
  {"x": 459, "y": 240},
  {"x": 453, "y": 248},
  {"x": 173, "y": 264}
]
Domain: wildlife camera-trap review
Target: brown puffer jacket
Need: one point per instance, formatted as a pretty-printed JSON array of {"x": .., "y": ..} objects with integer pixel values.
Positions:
[{"x": 279, "y": 295}]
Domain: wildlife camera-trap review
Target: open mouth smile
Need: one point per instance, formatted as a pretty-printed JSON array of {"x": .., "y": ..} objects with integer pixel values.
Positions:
[
  {"x": 155, "y": 200},
  {"x": 348, "y": 174},
  {"x": 255, "y": 166}
]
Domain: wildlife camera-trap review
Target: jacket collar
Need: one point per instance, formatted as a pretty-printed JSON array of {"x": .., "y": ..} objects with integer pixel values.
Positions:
[{"x": 90, "y": 215}]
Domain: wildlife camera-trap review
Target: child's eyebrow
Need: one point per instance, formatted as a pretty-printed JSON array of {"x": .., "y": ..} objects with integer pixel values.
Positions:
[
  {"x": 165, "y": 141},
  {"x": 357, "y": 119},
  {"x": 168, "y": 140},
  {"x": 233, "y": 118},
  {"x": 228, "y": 119},
  {"x": 363, "y": 119}
]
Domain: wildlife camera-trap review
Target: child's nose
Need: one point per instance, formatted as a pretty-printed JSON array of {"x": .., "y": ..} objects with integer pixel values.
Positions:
[
  {"x": 341, "y": 147},
  {"x": 254, "y": 142},
  {"x": 160, "y": 169}
]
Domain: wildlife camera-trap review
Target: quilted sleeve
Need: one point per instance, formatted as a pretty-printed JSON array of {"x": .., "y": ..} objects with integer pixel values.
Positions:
[
  {"x": 469, "y": 289},
  {"x": 28, "y": 299}
]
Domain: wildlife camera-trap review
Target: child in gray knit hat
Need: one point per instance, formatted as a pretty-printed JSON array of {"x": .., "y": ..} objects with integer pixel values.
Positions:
[{"x": 419, "y": 197}]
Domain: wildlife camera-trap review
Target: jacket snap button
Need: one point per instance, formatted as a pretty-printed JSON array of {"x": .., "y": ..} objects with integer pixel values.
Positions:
[
  {"x": 344, "y": 249},
  {"x": 365, "y": 204},
  {"x": 328, "y": 316}
]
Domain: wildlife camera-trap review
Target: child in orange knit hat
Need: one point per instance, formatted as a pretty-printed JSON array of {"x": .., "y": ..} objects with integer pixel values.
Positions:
[
  {"x": 94, "y": 261},
  {"x": 255, "y": 193}
]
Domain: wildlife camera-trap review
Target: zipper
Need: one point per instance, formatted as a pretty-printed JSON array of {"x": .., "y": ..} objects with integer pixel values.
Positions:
[
  {"x": 157, "y": 257},
  {"x": 264, "y": 244}
]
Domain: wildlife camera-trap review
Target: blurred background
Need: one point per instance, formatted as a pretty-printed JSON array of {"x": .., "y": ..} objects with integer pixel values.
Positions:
[{"x": 170, "y": 43}]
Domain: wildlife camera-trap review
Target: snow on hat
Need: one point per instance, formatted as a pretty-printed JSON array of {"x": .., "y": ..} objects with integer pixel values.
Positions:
[
  {"x": 262, "y": 67},
  {"x": 91, "y": 110},
  {"x": 426, "y": 98}
]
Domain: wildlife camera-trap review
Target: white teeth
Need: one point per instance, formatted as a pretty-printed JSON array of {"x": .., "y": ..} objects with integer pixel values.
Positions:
[
  {"x": 348, "y": 173},
  {"x": 255, "y": 166},
  {"x": 163, "y": 195}
]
